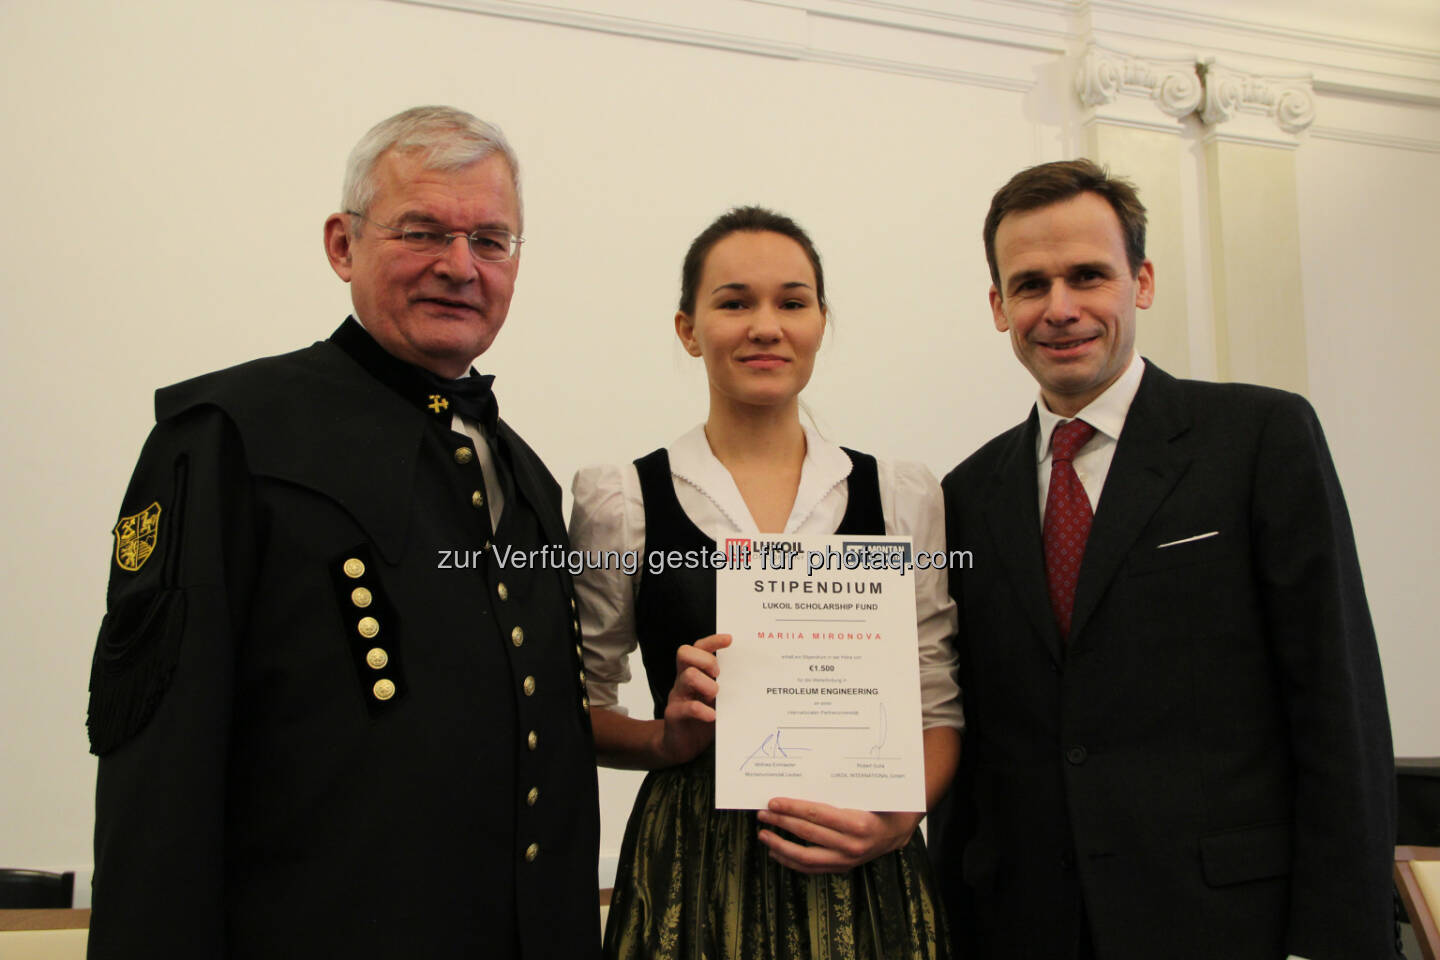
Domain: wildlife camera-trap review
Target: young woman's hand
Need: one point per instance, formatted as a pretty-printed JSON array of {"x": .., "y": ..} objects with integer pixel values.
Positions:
[
  {"x": 689, "y": 726},
  {"x": 840, "y": 839}
]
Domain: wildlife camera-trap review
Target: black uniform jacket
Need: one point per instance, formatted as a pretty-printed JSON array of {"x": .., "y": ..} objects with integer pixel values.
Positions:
[
  {"x": 1207, "y": 762},
  {"x": 329, "y": 723}
]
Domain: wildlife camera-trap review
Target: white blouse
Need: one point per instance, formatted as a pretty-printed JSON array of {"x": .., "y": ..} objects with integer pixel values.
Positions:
[{"x": 609, "y": 514}]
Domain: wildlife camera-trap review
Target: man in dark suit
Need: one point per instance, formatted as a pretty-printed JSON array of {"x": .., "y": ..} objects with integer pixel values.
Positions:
[
  {"x": 330, "y": 721},
  {"x": 1177, "y": 741}
]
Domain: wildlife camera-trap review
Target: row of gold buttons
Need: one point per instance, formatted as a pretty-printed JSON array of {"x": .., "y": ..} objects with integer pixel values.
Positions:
[
  {"x": 369, "y": 628},
  {"x": 463, "y": 456}
]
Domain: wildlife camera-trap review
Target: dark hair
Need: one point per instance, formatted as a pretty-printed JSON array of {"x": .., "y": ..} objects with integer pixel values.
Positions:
[
  {"x": 746, "y": 220},
  {"x": 1037, "y": 187}
]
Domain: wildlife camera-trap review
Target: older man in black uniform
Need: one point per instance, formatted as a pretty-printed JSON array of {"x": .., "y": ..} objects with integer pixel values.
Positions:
[{"x": 323, "y": 730}]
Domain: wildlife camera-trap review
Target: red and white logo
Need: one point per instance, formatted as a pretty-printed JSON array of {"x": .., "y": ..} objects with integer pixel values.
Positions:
[{"x": 737, "y": 551}]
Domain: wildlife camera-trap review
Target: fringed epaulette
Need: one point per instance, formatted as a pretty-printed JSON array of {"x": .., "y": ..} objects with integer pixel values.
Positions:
[{"x": 135, "y": 657}]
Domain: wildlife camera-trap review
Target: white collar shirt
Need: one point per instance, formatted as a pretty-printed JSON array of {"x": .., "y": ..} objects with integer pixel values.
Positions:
[
  {"x": 1106, "y": 413},
  {"x": 494, "y": 489}
]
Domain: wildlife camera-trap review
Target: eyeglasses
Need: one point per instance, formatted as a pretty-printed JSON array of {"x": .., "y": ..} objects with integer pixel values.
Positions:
[{"x": 496, "y": 246}]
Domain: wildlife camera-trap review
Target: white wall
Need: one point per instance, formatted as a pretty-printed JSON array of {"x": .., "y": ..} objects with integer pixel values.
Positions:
[
  {"x": 1373, "y": 342},
  {"x": 169, "y": 164}
]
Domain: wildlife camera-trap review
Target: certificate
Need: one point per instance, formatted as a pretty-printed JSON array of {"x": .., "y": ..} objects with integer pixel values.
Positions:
[{"x": 820, "y": 689}]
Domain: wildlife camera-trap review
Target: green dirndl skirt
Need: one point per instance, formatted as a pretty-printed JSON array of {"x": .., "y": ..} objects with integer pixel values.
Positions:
[{"x": 696, "y": 883}]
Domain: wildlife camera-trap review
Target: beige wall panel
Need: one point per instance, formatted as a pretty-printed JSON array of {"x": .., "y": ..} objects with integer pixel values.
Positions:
[
  {"x": 1368, "y": 242},
  {"x": 1255, "y": 258}
]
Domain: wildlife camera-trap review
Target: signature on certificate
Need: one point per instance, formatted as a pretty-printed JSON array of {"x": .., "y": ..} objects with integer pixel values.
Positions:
[{"x": 792, "y": 741}]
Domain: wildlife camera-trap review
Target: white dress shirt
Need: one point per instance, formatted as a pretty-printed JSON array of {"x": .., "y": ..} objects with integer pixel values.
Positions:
[
  {"x": 609, "y": 514},
  {"x": 1106, "y": 413},
  {"x": 494, "y": 489}
]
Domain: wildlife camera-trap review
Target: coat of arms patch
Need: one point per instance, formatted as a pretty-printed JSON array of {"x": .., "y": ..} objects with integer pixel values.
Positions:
[{"x": 135, "y": 538}]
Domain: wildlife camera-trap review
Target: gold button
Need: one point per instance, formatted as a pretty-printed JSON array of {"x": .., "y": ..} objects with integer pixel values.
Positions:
[
  {"x": 529, "y": 686},
  {"x": 532, "y": 740},
  {"x": 532, "y": 851},
  {"x": 383, "y": 689},
  {"x": 464, "y": 455},
  {"x": 582, "y": 678},
  {"x": 477, "y": 499},
  {"x": 532, "y": 796},
  {"x": 354, "y": 568},
  {"x": 502, "y": 591},
  {"x": 360, "y": 597},
  {"x": 572, "y": 604},
  {"x": 579, "y": 654},
  {"x": 517, "y": 637},
  {"x": 377, "y": 658},
  {"x": 368, "y": 627},
  {"x": 584, "y": 703},
  {"x": 575, "y": 624}
]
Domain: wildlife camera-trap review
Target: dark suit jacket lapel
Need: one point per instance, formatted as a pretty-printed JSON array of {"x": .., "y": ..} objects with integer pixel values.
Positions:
[
  {"x": 1013, "y": 512},
  {"x": 1147, "y": 464}
]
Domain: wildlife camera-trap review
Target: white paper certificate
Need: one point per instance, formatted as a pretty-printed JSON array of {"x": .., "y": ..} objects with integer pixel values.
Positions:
[{"x": 820, "y": 688}]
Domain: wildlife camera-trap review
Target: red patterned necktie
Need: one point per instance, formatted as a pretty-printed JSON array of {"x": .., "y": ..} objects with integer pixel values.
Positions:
[{"x": 1067, "y": 520}]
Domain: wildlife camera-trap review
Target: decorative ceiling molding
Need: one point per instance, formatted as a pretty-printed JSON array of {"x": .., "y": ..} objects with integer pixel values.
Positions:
[
  {"x": 1034, "y": 24},
  {"x": 996, "y": 43},
  {"x": 778, "y": 35},
  {"x": 1338, "y": 89},
  {"x": 1120, "y": 88},
  {"x": 1116, "y": 87},
  {"x": 872, "y": 36},
  {"x": 1372, "y": 69},
  {"x": 1214, "y": 134},
  {"x": 925, "y": 71},
  {"x": 1169, "y": 17},
  {"x": 1366, "y": 138},
  {"x": 1256, "y": 107}
]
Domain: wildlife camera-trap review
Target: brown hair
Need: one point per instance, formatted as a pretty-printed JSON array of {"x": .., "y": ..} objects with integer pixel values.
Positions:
[
  {"x": 748, "y": 220},
  {"x": 1040, "y": 186}
]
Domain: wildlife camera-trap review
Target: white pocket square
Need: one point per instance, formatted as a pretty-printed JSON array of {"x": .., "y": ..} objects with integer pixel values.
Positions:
[{"x": 1198, "y": 536}]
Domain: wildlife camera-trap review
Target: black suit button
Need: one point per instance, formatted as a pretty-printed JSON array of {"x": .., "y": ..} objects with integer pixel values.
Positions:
[{"x": 1076, "y": 755}]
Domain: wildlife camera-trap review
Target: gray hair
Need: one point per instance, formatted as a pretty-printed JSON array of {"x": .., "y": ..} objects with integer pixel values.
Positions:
[{"x": 450, "y": 140}]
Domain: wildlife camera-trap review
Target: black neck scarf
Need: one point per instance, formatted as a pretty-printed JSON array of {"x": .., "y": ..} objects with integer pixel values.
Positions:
[{"x": 471, "y": 396}]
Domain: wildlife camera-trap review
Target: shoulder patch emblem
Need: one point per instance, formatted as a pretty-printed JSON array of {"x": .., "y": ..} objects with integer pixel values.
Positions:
[{"x": 135, "y": 538}]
